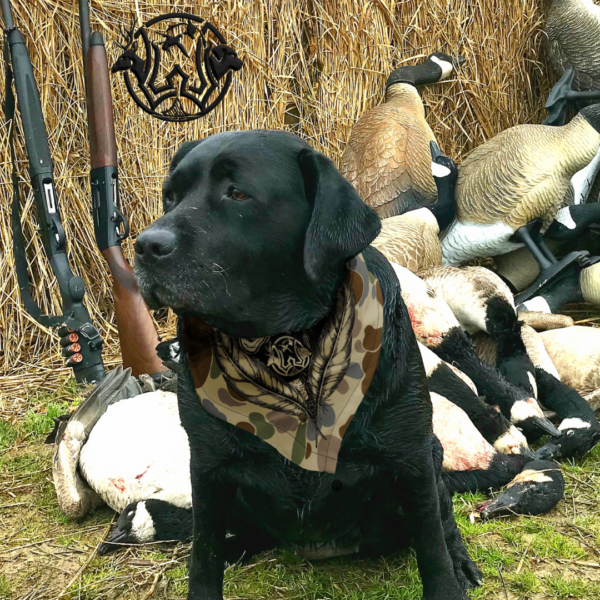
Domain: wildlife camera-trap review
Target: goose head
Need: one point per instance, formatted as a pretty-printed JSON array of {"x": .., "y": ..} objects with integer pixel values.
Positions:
[
  {"x": 527, "y": 415},
  {"x": 149, "y": 521},
  {"x": 435, "y": 68},
  {"x": 445, "y": 175},
  {"x": 535, "y": 491},
  {"x": 578, "y": 437}
]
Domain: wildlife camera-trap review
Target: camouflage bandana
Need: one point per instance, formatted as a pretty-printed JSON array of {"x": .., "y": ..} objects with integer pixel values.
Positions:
[{"x": 297, "y": 391}]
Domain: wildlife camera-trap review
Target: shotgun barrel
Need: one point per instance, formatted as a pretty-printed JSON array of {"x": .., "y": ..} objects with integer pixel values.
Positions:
[
  {"x": 88, "y": 365},
  {"x": 137, "y": 333}
]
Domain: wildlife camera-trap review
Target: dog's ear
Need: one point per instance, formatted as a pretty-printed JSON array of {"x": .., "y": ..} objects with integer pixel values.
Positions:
[
  {"x": 183, "y": 151},
  {"x": 341, "y": 226}
]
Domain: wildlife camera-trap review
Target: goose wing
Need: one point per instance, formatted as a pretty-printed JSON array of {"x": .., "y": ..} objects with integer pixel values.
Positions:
[
  {"x": 515, "y": 177},
  {"x": 388, "y": 161}
]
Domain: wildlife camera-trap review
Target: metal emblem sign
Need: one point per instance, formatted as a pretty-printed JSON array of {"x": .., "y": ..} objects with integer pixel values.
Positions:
[{"x": 177, "y": 67}]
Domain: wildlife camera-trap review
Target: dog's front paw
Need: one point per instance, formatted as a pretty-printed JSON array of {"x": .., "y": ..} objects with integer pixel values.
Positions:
[{"x": 467, "y": 574}]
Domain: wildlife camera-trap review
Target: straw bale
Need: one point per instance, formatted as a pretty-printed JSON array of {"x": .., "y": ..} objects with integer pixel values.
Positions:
[{"x": 310, "y": 66}]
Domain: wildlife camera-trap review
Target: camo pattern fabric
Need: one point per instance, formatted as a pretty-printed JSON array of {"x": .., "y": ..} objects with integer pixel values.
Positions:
[{"x": 297, "y": 391}]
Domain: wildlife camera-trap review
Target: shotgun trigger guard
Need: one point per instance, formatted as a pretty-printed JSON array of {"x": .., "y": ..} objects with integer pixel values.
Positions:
[
  {"x": 119, "y": 219},
  {"x": 57, "y": 232}
]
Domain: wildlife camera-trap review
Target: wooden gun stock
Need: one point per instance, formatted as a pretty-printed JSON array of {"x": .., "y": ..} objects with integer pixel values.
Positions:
[{"x": 137, "y": 333}]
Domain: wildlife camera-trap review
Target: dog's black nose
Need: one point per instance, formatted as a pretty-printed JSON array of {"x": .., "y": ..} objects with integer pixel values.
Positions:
[{"x": 155, "y": 243}]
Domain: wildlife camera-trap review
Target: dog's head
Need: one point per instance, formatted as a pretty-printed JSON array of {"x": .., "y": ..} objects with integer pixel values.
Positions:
[{"x": 256, "y": 232}]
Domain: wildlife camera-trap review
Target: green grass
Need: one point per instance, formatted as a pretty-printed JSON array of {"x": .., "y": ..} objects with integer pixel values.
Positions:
[
  {"x": 5, "y": 588},
  {"x": 8, "y": 434},
  {"x": 529, "y": 558}
]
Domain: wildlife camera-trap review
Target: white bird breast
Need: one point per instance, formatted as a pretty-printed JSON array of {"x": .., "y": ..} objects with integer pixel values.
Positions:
[
  {"x": 137, "y": 451},
  {"x": 464, "y": 241}
]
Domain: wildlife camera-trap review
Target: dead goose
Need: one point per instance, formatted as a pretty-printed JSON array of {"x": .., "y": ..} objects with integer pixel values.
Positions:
[
  {"x": 470, "y": 464},
  {"x": 411, "y": 239},
  {"x": 534, "y": 491},
  {"x": 451, "y": 383},
  {"x": 481, "y": 301},
  {"x": 387, "y": 158},
  {"x": 579, "y": 429},
  {"x": 436, "y": 327},
  {"x": 121, "y": 446},
  {"x": 575, "y": 352},
  {"x": 514, "y": 179}
]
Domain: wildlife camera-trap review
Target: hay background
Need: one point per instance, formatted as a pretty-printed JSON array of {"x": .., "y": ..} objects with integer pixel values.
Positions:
[{"x": 327, "y": 59}]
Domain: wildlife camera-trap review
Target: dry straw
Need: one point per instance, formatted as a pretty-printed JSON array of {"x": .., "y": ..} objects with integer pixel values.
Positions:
[{"x": 324, "y": 63}]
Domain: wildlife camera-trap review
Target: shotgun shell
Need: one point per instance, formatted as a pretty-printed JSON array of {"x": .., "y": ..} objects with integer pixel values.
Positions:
[
  {"x": 73, "y": 337},
  {"x": 74, "y": 360},
  {"x": 72, "y": 349}
]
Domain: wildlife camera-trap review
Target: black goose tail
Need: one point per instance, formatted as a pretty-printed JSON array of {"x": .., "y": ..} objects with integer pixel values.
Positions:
[{"x": 118, "y": 385}]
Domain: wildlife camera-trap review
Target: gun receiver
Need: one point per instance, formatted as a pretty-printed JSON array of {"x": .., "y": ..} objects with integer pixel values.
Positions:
[
  {"x": 87, "y": 365},
  {"x": 137, "y": 333}
]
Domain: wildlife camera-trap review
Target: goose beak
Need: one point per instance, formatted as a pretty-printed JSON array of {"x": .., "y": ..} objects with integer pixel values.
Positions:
[
  {"x": 548, "y": 451},
  {"x": 109, "y": 545},
  {"x": 503, "y": 505},
  {"x": 458, "y": 61},
  {"x": 545, "y": 425},
  {"x": 435, "y": 151},
  {"x": 527, "y": 452}
]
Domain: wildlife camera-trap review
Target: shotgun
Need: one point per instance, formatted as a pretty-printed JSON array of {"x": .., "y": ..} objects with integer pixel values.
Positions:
[
  {"x": 85, "y": 349},
  {"x": 137, "y": 333}
]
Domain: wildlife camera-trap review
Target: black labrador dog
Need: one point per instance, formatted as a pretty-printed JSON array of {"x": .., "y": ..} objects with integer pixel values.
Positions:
[{"x": 257, "y": 230}]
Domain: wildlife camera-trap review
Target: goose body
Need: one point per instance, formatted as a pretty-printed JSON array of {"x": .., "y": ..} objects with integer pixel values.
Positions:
[
  {"x": 481, "y": 301},
  {"x": 579, "y": 430},
  {"x": 411, "y": 240},
  {"x": 436, "y": 327},
  {"x": 121, "y": 446},
  {"x": 138, "y": 451},
  {"x": 471, "y": 464},
  {"x": 518, "y": 176},
  {"x": 573, "y": 28},
  {"x": 388, "y": 158},
  {"x": 451, "y": 383},
  {"x": 575, "y": 352}
]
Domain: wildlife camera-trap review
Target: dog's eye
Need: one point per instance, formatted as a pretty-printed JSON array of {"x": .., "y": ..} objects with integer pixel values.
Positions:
[
  {"x": 238, "y": 194},
  {"x": 169, "y": 200}
]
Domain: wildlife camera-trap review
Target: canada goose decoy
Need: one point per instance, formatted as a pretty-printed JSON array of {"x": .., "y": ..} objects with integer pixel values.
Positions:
[
  {"x": 449, "y": 382},
  {"x": 514, "y": 181},
  {"x": 411, "y": 239},
  {"x": 534, "y": 491},
  {"x": 581, "y": 284},
  {"x": 121, "y": 446},
  {"x": 481, "y": 301},
  {"x": 573, "y": 29},
  {"x": 436, "y": 327},
  {"x": 388, "y": 158}
]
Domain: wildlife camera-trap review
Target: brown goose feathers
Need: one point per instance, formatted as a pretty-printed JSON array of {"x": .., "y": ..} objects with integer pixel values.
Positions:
[{"x": 388, "y": 159}]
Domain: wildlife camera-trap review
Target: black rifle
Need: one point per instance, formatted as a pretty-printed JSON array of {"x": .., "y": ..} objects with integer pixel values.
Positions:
[{"x": 87, "y": 361}]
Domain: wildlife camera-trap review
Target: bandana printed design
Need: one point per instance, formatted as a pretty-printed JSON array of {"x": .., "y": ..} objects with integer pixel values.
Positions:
[{"x": 297, "y": 391}]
